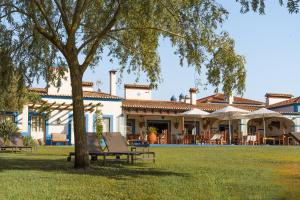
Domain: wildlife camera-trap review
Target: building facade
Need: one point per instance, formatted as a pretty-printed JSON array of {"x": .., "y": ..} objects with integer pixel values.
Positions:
[
  {"x": 57, "y": 116},
  {"x": 134, "y": 113}
]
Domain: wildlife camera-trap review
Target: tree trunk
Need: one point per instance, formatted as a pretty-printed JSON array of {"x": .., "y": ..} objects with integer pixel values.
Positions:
[{"x": 81, "y": 151}]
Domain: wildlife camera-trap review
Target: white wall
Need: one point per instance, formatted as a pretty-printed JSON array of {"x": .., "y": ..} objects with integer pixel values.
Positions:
[
  {"x": 137, "y": 93},
  {"x": 87, "y": 88},
  {"x": 274, "y": 100},
  {"x": 65, "y": 88}
]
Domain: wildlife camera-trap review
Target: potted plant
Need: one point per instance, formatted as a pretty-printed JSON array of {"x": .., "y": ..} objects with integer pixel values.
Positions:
[{"x": 152, "y": 135}]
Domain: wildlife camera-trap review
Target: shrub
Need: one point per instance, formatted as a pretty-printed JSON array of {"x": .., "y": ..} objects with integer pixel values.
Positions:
[
  {"x": 28, "y": 141},
  {"x": 8, "y": 129},
  {"x": 99, "y": 125}
]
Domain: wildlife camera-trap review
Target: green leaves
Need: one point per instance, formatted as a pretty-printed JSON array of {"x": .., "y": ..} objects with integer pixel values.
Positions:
[
  {"x": 60, "y": 31},
  {"x": 227, "y": 67},
  {"x": 13, "y": 90},
  {"x": 7, "y": 129},
  {"x": 259, "y": 5},
  {"x": 99, "y": 124}
]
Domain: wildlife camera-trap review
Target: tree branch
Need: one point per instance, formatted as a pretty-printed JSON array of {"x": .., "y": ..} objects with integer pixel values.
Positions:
[
  {"x": 63, "y": 15},
  {"x": 93, "y": 49},
  {"x": 52, "y": 38},
  {"x": 49, "y": 23},
  {"x": 80, "y": 6}
]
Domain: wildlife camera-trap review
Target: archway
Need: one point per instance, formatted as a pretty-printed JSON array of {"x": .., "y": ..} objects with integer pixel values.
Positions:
[{"x": 276, "y": 128}]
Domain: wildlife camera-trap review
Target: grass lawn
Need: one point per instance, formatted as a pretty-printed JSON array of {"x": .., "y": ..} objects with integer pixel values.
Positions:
[{"x": 179, "y": 173}]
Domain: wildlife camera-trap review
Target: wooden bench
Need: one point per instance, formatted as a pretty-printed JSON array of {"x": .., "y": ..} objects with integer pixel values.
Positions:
[{"x": 58, "y": 137}]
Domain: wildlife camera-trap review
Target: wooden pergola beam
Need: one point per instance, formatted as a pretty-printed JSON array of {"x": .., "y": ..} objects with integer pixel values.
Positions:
[{"x": 63, "y": 106}]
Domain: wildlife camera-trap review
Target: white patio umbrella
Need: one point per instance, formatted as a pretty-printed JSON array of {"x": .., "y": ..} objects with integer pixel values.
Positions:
[
  {"x": 195, "y": 113},
  {"x": 228, "y": 113},
  {"x": 263, "y": 113}
]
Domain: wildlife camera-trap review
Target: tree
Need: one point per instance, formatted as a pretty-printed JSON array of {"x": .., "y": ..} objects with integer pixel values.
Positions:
[
  {"x": 76, "y": 33},
  {"x": 259, "y": 5},
  {"x": 13, "y": 92}
]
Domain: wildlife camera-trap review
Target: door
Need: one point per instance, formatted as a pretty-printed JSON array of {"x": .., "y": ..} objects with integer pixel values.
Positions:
[
  {"x": 162, "y": 127},
  {"x": 37, "y": 127}
]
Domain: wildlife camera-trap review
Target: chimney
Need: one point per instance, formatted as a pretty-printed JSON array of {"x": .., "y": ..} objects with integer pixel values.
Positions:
[
  {"x": 272, "y": 98},
  {"x": 187, "y": 99},
  {"x": 193, "y": 99},
  {"x": 231, "y": 99},
  {"x": 113, "y": 82}
]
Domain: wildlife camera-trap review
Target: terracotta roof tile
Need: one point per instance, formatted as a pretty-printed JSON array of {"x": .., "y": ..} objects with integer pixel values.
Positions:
[
  {"x": 38, "y": 90},
  {"x": 140, "y": 86},
  {"x": 87, "y": 84},
  {"x": 278, "y": 95},
  {"x": 154, "y": 104},
  {"x": 285, "y": 103},
  {"x": 87, "y": 94},
  {"x": 99, "y": 95},
  {"x": 220, "y": 98},
  {"x": 210, "y": 107}
]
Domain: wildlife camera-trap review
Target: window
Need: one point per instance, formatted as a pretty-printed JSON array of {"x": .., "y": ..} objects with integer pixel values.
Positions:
[
  {"x": 10, "y": 118},
  {"x": 106, "y": 124},
  {"x": 37, "y": 124}
]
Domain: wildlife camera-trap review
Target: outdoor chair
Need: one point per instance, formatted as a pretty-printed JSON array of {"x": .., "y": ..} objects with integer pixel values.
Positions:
[
  {"x": 283, "y": 139},
  {"x": 18, "y": 143},
  {"x": 216, "y": 139},
  {"x": 95, "y": 151},
  {"x": 294, "y": 138},
  {"x": 163, "y": 138},
  {"x": 251, "y": 139},
  {"x": 115, "y": 142},
  {"x": 179, "y": 138}
]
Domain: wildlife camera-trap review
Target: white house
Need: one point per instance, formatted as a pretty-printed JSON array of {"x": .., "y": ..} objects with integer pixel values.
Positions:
[{"x": 34, "y": 122}]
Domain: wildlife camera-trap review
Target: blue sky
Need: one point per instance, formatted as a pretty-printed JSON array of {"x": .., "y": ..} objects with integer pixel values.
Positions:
[{"x": 270, "y": 44}]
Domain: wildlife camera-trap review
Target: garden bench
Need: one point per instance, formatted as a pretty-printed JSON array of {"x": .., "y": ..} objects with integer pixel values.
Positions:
[{"x": 58, "y": 137}]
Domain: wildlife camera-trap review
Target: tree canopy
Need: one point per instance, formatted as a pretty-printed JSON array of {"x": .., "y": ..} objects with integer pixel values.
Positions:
[
  {"x": 74, "y": 33},
  {"x": 259, "y": 5},
  {"x": 129, "y": 29}
]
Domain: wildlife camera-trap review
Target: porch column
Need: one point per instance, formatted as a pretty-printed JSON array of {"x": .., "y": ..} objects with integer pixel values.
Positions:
[
  {"x": 122, "y": 122},
  {"x": 297, "y": 124},
  {"x": 90, "y": 122},
  {"x": 244, "y": 127},
  {"x": 24, "y": 129}
]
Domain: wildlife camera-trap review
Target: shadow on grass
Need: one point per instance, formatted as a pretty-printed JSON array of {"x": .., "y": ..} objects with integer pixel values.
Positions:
[{"x": 113, "y": 170}]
